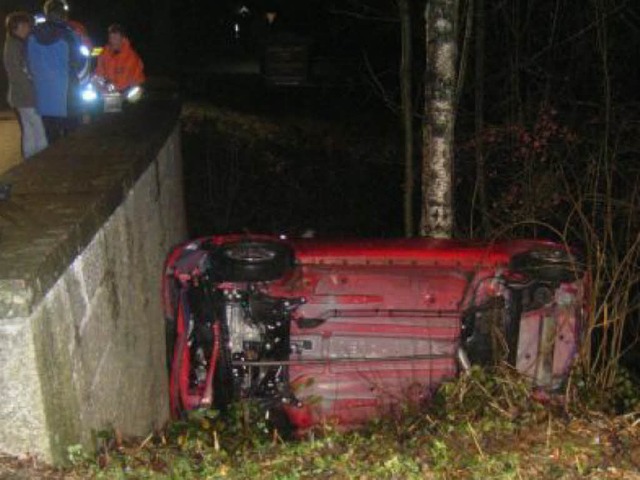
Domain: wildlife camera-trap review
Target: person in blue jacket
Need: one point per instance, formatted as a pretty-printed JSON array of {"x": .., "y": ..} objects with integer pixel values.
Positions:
[{"x": 55, "y": 60}]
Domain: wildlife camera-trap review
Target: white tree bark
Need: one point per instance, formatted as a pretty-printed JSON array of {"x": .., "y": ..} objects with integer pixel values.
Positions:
[{"x": 439, "y": 119}]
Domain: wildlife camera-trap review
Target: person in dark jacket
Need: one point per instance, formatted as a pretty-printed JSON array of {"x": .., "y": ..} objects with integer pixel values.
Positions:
[
  {"x": 55, "y": 59},
  {"x": 21, "y": 96}
]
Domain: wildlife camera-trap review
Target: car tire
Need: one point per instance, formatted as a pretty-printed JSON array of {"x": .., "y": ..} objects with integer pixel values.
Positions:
[
  {"x": 548, "y": 266},
  {"x": 251, "y": 261}
]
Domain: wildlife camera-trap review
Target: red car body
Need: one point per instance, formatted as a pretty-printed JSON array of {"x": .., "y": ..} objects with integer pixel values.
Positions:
[{"x": 344, "y": 331}]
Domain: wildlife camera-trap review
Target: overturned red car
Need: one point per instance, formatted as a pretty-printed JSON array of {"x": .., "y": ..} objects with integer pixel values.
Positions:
[{"x": 344, "y": 331}]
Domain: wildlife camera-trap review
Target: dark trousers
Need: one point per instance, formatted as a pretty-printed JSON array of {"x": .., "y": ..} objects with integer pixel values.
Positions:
[{"x": 58, "y": 127}]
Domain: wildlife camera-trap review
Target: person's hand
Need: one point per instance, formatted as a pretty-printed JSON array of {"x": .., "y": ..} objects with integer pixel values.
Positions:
[{"x": 98, "y": 80}]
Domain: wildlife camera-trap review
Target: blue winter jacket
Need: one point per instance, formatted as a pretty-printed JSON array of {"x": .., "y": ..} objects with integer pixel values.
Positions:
[{"x": 53, "y": 55}]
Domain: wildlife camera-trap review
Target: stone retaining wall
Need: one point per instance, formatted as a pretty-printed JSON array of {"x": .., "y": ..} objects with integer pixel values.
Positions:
[
  {"x": 10, "y": 142},
  {"x": 82, "y": 242}
]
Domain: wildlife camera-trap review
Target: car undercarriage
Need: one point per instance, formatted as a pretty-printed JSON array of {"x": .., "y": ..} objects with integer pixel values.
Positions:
[{"x": 345, "y": 331}]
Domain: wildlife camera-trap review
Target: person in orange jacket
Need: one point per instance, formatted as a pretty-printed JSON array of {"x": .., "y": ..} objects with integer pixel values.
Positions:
[{"x": 119, "y": 64}]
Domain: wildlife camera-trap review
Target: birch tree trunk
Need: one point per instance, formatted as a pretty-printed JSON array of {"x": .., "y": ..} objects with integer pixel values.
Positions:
[
  {"x": 439, "y": 119},
  {"x": 407, "y": 112}
]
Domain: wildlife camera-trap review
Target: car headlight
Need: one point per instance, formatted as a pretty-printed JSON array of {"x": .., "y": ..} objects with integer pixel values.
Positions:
[
  {"x": 134, "y": 94},
  {"x": 89, "y": 95}
]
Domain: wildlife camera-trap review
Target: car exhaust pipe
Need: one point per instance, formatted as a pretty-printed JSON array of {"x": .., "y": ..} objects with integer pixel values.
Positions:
[{"x": 463, "y": 359}]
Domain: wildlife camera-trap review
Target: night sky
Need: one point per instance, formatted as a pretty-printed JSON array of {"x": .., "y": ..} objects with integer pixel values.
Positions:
[
  {"x": 172, "y": 33},
  {"x": 538, "y": 55},
  {"x": 557, "y": 47}
]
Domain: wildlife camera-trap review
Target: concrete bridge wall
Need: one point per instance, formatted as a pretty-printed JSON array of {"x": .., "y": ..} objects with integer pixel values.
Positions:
[
  {"x": 10, "y": 145},
  {"x": 82, "y": 242}
]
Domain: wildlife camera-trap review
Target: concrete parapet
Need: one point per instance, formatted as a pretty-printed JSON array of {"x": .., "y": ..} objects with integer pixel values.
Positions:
[
  {"x": 10, "y": 140},
  {"x": 82, "y": 242}
]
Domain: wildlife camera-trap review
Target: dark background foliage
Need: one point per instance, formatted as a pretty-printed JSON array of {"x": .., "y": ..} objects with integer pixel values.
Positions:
[{"x": 559, "y": 79}]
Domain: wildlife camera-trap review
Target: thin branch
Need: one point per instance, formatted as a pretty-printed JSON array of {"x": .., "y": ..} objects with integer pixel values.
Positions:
[
  {"x": 378, "y": 87},
  {"x": 536, "y": 56},
  {"x": 595, "y": 24},
  {"x": 363, "y": 16}
]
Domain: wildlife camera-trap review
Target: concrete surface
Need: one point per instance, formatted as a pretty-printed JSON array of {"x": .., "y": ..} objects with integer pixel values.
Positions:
[
  {"x": 82, "y": 243},
  {"x": 10, "y": 153}
]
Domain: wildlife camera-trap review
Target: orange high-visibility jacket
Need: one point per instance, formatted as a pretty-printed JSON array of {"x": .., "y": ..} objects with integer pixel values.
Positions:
[{"x": 123, "y": 68}]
